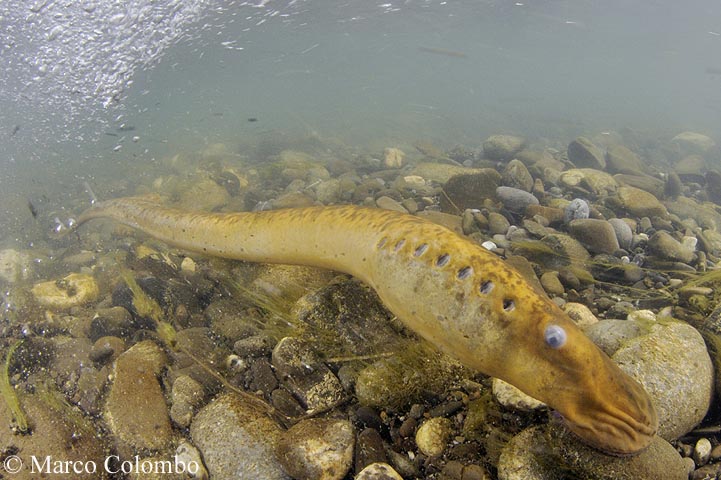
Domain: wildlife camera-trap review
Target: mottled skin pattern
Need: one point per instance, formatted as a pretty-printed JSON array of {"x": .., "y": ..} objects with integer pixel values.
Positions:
[{"x": 454, "y": 293}]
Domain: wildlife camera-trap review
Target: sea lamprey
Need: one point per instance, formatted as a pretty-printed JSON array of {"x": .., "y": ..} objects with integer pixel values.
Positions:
[{"x": 460, "y": 297}]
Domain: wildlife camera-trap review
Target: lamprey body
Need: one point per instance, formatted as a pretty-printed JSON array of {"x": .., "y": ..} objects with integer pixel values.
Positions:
[{"x": 452, "y": 292}]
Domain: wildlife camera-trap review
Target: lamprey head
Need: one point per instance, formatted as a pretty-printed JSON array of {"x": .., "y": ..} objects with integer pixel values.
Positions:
[{"x": 559, "y": 365}]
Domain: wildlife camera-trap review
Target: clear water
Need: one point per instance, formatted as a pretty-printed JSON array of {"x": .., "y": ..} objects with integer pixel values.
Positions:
[{"x": 185, "y": 75}]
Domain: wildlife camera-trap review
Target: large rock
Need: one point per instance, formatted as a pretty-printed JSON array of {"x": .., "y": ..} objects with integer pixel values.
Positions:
[
  {"x": 74, "y": 290},
  {"x": 317, "y": 448},
  {"x": 516, "y": 175},
  {"x": 597, "y": 235},
  {"x": 663, "y": 245},
  {"x": 135, "y": 411},
  {"x": 691, "y": 143},
  {"x": 502, "y": 147},
  {"x": 552, "y": 452},
  {"x": 673, "y": 365},
  {"x": 60, "y": 433},
  {"x": 595, "y": 181},
  {"x": 237, "y": 440},
  {"x": 640, "y": 203},
  {"x": 620, "y": 159},
  {"x": 583, "y": 153},
  {"x": 469, "y": 190}
]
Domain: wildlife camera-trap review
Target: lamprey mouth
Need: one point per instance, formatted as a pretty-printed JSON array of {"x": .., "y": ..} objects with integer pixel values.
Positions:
[{"x": 617, "y": 424}]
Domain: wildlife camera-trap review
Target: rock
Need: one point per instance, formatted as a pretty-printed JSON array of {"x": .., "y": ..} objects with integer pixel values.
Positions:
[
  {"x": 673, "y": 186},
  {"x": 497, "y": 224},
  {"x": 620, "y": 159},
  {"x": 514, "y": 199},
  {"x": 398, "y": 381},
  {"x": 442, "y": 172},
  {"x": 205, "y": 194},
  {"x": 691, "y": 168},
  {"x": 624, "y": 234},
  {"x": 135, "y": 409},
  {"x": 378, "y": 471},
  {"x": 451, "y": 222},
  {"x": 704, "y": 214},
  {"x": 301, "y": 371},
  {"x": 393, "y": 157},
  {"x": 107, "y": 349},
  {"x": 74, "y": 290},
  {"x": 328, "y": 191},
  {"x": 237, "y": 440},
  {"x": 188, "y": 265},
  {"x": 469, "y": 190},
  {"x": 673, "y": 365},
  {"x": 254, "y": 346},
  {"x": 665, "y": 246},
  {"x": 516, "y": 175},
  {"x": 578, "y": 208},
  {"x": 598, "y": 236},
  {"x": 370, "y": 447},
  {"x": 14, "y": 265},
  {"x": 713, "y": 186},
  {"x": 553, "y": 215},
  {"x": 186, "y": 395},
  {"x": 584, "y": 154},
  {"x": 652, "y": 185},
  {"x": 702, "y": 451},
  {"x": 551, "y": 284},
  {"x": 609, "y": 335},
  {"x": 595, "y": 181},
  {"x": 513, "y": 398},
  {"x": 190, "y": 456},
  {"x": 60, "y": 433},
  {"x": 114, "y": 321},
  {"x": 640, "y": 203},
  {"x": 502, "y": 147},
  {"x": 317, "y": 448},
  {"x": 551, "y": 452},
  {"x": 388, "y": 203},
  {"x": 580, "y": 314},
  {"x": 351, "y": 314},
  {"x": 692, "y": 143},
  {"x": 433, "y": 435},
  {"x": 288, "y": 282}
]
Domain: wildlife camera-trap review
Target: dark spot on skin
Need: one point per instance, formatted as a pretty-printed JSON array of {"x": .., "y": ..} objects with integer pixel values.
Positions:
[
  {"x": 464, "y": 273},
  {"x": 443, "y": 260}
]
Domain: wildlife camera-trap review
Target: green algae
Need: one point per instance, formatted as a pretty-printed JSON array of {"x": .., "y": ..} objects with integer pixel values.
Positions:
[{"x": 8, "y": 394}]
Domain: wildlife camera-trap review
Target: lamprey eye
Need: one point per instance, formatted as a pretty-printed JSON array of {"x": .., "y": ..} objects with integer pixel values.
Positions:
[
  {"x": 421, "y": 250},
  {"x": 555, "y": 336},
  {"x": 442, "y": 260}
]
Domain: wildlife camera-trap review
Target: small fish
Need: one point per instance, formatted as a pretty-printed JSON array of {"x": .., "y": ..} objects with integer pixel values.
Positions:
[
  {"x": 125, "y": 128},
  {"x": 33, "y": 209},
  {"x": 16, "y": 129},
  {"x": 252, "y": 119}
]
